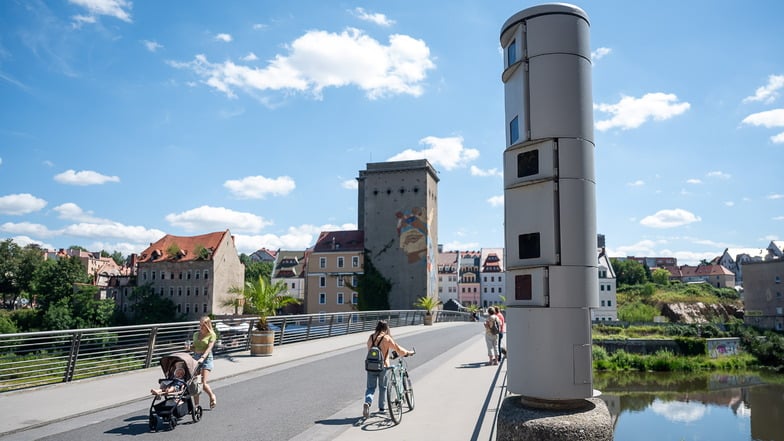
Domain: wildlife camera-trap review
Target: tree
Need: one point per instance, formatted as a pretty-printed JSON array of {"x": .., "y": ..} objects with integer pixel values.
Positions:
[
  {"x": 56, "y": 279},
  {"x": 88, "y": 311},
  {"x": 254, "y": 270},
  {"x": 7, "y": 326},
  {"x": 152, "y": 308},
  {"x": 264, "y": 298},
  {"x": 628, "y": 272},
  {"x": 118, "y": 258},
  {"x": 373, "y": 288},
  {"x": 661, "y": 276}
]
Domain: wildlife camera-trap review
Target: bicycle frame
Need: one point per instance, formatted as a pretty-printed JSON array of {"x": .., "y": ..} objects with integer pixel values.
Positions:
[{"x": 399, "y": 388}]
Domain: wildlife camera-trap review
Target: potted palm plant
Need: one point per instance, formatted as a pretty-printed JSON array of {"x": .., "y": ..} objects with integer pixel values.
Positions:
[
  {"x": 265, "y": 299},
  {"x": 429, "y": 304}
]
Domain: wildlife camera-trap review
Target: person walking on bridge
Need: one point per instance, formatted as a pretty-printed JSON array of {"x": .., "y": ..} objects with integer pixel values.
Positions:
[
  {"x": 492, "y": 329},
  {"x": 382, "y": 339}
]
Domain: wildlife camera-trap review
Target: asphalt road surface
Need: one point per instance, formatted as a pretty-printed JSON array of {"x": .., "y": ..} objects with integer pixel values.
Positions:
[{"x": 274, "y": 404}]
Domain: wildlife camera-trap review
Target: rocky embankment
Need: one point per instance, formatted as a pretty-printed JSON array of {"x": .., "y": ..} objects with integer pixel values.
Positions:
[{"x": 700, "y": 312}]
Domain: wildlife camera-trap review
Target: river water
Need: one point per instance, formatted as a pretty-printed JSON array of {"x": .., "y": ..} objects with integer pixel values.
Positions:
[{"x": 701, "y": 407}]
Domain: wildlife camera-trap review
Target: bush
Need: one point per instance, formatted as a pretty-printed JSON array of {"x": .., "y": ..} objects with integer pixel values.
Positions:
[{"x": 637, "y": 312}]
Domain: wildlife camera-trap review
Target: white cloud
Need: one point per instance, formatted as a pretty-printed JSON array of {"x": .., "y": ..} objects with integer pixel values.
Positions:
[
  {"x": 250, "y": 57},
  {"x": 670, "y": 219},
  {"x": 768, "y": 92},
  {"x": 258, "y": 187},
  {"x": 446, "y": 152},
  {"x": 729, "y": 203},
  {"x": 637, "y": 183},
  {"x": 379, "y": 19},
  {"x": 115, "y": 230},
  {"x": 223, "y": 37},
  {"x": 73, "y": 212},
  {"x": 295, "y": 238},
  {"x": 152, "y": 46},
  {"x": 27, "y": 229},
  {"x": 206, "y": 218},
  {"x": 258, "y": 26},
  {"x": 320, "y": 59},
  {"x": 630, "y": 112},
  {"x": 775, "y": 196},
  {"x": 119, "y": 9},
  {"x": 496, "y": 201},
  {"x": 23, "y": 241},
  {"x": 18, "y": 204},
  {"x": 476, "y": 171},
  {"x": 600, "y": 53},
  {"x": 461, "y": 246},
  {"x": 768, "y": 119},
  {"x": 679, "y": 411},
  {"x": 84, "y": 177},
  {"x": 718, "y": 174},
  {"x": 779, "y": 218},
  {"x": 641, "y": 248},
  {"x": 694, "y": 181},
  {"x": 350, "y": 184}
]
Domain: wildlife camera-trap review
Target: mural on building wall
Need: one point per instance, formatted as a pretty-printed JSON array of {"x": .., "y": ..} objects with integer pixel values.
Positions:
[
  {"x": 416, "y": 243},
  {"x": 412, "y": 233}
]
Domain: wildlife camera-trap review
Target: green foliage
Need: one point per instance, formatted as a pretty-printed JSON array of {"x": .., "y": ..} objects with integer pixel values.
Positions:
[
  {"x": 264, "y": 298},
  {"x": 373, "y": 288},
  {"x": 173, "y": 251},
  {"x": 666, "y": 361},
  {"x": 427, "y": 303},
  {"x": 201, "y": 252},
  {"x": 637, "y": 312},
  {"x": 118, "y": 258},
  {"x": 767, "y": 347},
  {"x": 661, "y": 276},
  {"x": 254, "y": 270},
  {"x": 56, "y": 280},
  {"x": 691, "y": 345},
  {"x": 7, "y": 326},
  {"x": 17, "y": 269},
  {"x": 152, "y": 308},
  {"x": 628, "y": 272},
  {"x": 57, "y": 316}
]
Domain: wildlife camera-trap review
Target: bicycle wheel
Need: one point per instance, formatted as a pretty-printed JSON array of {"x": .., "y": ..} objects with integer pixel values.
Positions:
[
  {"x": 408, "y": 391},
  {"x": 394, "y": 401}
]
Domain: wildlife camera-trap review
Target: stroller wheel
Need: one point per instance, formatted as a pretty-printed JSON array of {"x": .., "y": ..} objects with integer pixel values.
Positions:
[
  {"x": 172, "y": 422},
  {"x": 153, "y": 423},
  {"x": 196, "y": 415}
]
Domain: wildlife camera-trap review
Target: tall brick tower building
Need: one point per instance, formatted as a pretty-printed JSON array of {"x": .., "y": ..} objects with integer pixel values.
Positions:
[{"x": 398, "y": 212}]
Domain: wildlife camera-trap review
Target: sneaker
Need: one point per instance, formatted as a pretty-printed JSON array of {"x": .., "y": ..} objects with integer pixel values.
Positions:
[
  {"x": 365, "y": 410},
  {"x": 382, "y": 410}
]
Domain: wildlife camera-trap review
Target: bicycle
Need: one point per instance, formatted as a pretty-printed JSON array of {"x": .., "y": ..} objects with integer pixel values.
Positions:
[{"x": 399, "y": 387}]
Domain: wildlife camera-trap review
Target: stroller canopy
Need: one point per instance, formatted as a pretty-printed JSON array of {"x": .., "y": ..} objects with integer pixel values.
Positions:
[{"x": 169, "y": 361}]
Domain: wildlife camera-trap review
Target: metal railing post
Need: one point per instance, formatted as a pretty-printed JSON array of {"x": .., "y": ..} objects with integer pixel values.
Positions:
[
  {"x": 76, "y": 341},
  {"x": 150, "y": 346}
]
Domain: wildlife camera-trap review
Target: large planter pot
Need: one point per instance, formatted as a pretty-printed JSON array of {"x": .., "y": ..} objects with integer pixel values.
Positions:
[
  {"x": 429, "y": 319},
  {"x": 261, "y": 343}
]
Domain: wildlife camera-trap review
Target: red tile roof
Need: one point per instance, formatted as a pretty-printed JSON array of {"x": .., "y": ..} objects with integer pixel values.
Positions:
[
  {"x": 351, "y": 240},
  {"x": 158, "y": 251}
]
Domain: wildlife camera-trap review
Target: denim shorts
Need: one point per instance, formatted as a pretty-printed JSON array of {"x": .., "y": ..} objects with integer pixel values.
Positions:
[{"x": 208, "y": 365}]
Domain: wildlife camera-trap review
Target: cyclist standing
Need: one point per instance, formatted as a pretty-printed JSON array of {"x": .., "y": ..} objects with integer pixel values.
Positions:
[{"x": 382, "y": 338}]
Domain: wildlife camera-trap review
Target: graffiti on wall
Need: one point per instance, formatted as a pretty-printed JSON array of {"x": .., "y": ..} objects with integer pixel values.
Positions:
[
  {"x": 721, "y": 347},
  {"x": 413, "y": 227}
]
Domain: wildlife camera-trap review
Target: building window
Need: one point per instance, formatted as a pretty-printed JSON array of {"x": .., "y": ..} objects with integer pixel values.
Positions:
[
  {"x": 153, "y": 275},
  {"x": 354, "y": 298},
  {"x": 602, "y": 303},
  {"x": 322, "y": 262},
  {"x": 196, "y": 291},
  {"x": 340, "y": 262},
  {"x": 511, "y": 53},
  {"x": 197, "y": 275},
  {"x": 322, "y": 298},
  {"x": 171, "y": 292},
  {"x": 189, "y": 275},
  {"x": 180, "y": 275},
  {"x": 778, "y": 279},
  {"x": 340, "y": 298},
  {"x": 179, "y": 291},
  {"x": 609, "y": 303},
  {"x": 340, "y": 282},
  {"x": 355, "y": 261},
  {"x": 206, "y": 274},
  {"x": 514, "y": 130},
  {"x": 144, "y": 275},
  {"x": 322, "y": 282},
  {"x": 204, "y": 307},
  {"x": 187, "y": 308},
  {"x": 601, "y": 287}
]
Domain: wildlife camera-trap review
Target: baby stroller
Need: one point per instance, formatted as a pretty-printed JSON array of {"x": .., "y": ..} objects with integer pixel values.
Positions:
[{"x": 177, "y": 402}]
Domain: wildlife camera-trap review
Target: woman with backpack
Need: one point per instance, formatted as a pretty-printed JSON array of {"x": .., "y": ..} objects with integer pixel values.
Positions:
[
  {"x": 379, "y": 344},
  {"x": 492, "y": 329}
]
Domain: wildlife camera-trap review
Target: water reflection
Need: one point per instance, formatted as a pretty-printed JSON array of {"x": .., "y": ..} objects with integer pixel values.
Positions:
[{"x": 669, "y": 406}]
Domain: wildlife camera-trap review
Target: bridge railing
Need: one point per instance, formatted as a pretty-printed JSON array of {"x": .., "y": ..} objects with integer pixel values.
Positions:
[{"x": 40, "y": 358}]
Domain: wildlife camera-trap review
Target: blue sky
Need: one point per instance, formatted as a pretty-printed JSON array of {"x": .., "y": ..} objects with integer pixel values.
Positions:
[{"x": 123, "y": 121}]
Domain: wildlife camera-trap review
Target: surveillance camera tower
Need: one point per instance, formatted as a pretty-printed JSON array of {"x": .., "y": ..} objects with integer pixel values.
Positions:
[{"x": 550, "y": 203}]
